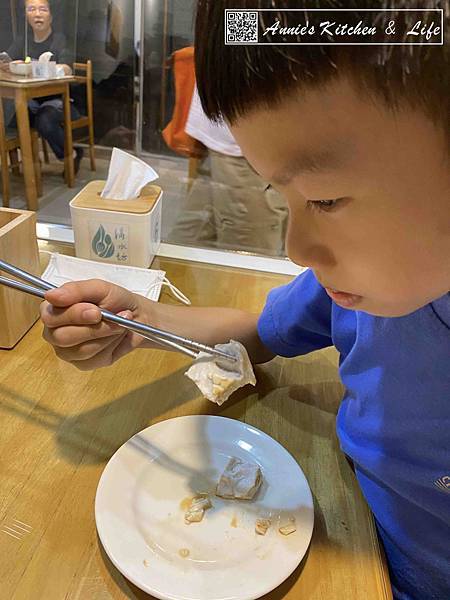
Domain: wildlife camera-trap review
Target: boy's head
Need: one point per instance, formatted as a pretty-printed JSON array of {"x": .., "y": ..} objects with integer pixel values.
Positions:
[
  {"x": 355, "y": 138},
  {"x": 39, "y": 15}
]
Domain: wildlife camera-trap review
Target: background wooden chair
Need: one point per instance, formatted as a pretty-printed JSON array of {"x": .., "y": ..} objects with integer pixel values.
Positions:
[
  {"x": 45, "y": 151},
  {"x": 83, "y": 74},
  {"x": 9, "y": 145}
]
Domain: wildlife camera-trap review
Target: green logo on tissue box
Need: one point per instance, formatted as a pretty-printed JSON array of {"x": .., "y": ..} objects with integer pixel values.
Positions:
[{"x": 102, "y": 244}]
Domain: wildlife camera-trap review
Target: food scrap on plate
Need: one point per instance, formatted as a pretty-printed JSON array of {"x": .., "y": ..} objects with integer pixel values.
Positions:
[
  {"x": 196, "y": 510},
  {"x": 289, "y": 527},
  {"x": 261, "y": 526},
  {"x": 240, "y": 480}
]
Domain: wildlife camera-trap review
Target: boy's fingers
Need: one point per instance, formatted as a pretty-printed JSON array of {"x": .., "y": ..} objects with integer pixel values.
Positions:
[
  {"x": 78, "y": 314},
  {"x": 91, "y": 357},
  {"x": 91, "y": 353},
  {"x": 127, "y": 344},
  {"x": 126, "y": 314},
  {"x": 93, "y": 290},
  {"x": 74, "y": 335}
]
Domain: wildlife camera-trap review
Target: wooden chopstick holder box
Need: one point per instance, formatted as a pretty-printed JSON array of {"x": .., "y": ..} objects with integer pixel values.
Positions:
[
  {"x": 125, "y": 232},
  {"x": 18, "y": 246}
]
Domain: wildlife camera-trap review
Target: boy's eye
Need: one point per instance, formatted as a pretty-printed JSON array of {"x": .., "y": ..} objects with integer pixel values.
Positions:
[
  {"x": 320, "y": 205},
  {"x": 323, "y": 205}
]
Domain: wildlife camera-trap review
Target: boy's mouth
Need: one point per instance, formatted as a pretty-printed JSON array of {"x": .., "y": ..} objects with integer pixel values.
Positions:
[{"x": 342, "y": 298}]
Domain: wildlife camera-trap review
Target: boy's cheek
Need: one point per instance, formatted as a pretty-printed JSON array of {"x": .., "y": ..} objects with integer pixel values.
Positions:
[{"x": 389, "y": 294}]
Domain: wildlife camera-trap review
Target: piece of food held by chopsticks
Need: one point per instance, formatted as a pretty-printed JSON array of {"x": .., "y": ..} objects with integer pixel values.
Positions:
[{"x": 217, "y": 378}]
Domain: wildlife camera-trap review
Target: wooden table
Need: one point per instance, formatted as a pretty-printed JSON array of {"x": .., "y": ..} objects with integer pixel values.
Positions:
[
  {"x": 21, "y": 90},
  {"x": 59, "y": 427}
]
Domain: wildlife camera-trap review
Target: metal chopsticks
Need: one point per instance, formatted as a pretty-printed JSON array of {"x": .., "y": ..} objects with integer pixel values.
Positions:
[
  {"x": 38, "y": 288},
  {"x": 40, "y": 293}
]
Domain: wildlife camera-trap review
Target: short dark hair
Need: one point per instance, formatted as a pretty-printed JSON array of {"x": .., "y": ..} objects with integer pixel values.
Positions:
[{"x": 234, "y": 79}]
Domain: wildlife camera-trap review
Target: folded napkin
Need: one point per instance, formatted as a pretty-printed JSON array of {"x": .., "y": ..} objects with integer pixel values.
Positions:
[{"x": 62, "y": 269}]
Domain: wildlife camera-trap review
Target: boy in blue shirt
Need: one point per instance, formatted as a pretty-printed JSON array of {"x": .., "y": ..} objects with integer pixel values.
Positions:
[{"x": 355, "y": 139}]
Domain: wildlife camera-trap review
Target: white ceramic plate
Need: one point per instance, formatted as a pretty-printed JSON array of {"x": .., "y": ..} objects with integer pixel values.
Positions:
[{"x": 140, "y": 514}]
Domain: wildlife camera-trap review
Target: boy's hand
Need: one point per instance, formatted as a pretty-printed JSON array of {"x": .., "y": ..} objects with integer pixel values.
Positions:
[{"x": 73, "y": 326}]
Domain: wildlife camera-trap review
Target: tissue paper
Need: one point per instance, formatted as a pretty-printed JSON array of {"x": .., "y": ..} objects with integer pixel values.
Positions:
[
  {"x": 45, "y": 57},
  {"x": 127, "y": 176}
]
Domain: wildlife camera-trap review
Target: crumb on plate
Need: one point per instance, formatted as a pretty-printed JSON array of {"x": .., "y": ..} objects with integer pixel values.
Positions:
[
  {"x": 289, "y": 528},
  {"x": 196, "y": 509},
  {"x": 261, "y": 526}
]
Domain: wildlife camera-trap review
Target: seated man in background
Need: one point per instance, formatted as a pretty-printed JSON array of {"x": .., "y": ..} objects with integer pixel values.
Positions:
[{"x": 46, "y": 113}]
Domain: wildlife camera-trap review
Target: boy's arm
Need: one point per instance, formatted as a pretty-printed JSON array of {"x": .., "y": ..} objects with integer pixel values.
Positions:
[{"x": 74, "y": 327}]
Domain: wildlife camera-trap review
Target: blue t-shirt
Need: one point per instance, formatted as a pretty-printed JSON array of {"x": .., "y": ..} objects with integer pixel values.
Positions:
[{"x": 394, "y": 420}]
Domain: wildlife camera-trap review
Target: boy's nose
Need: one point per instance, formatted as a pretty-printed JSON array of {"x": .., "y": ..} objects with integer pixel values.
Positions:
[
  {"x": 316, "y": 256},
  {"x": 305, "y": 249}
]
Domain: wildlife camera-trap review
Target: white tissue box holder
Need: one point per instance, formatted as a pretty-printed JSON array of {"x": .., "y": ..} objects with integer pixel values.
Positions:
[{"x": 125, "y": 232}]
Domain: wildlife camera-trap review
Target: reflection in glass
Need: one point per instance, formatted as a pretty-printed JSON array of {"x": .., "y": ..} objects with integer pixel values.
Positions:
[
  {"x": 212, "y": 198},
  {"x": 106, "y": 36},
  {"x": 44, "y": 33}
]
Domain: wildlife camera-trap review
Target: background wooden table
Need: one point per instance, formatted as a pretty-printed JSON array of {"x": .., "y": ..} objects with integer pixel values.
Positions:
[
  {"x": 59, "y": 427},
  {"x": 21, "y": 90}
]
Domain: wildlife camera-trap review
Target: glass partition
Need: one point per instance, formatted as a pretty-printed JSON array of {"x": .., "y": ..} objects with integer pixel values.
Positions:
[
  {"x": 9, "y": 26},
  {"x": 168, "y": 26},
  {"x": 26, "y": 26},
  {"x": 212, "y": 196},
  {"x": 106, "y": 35},
  {"x": 28, "y": 29}
]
